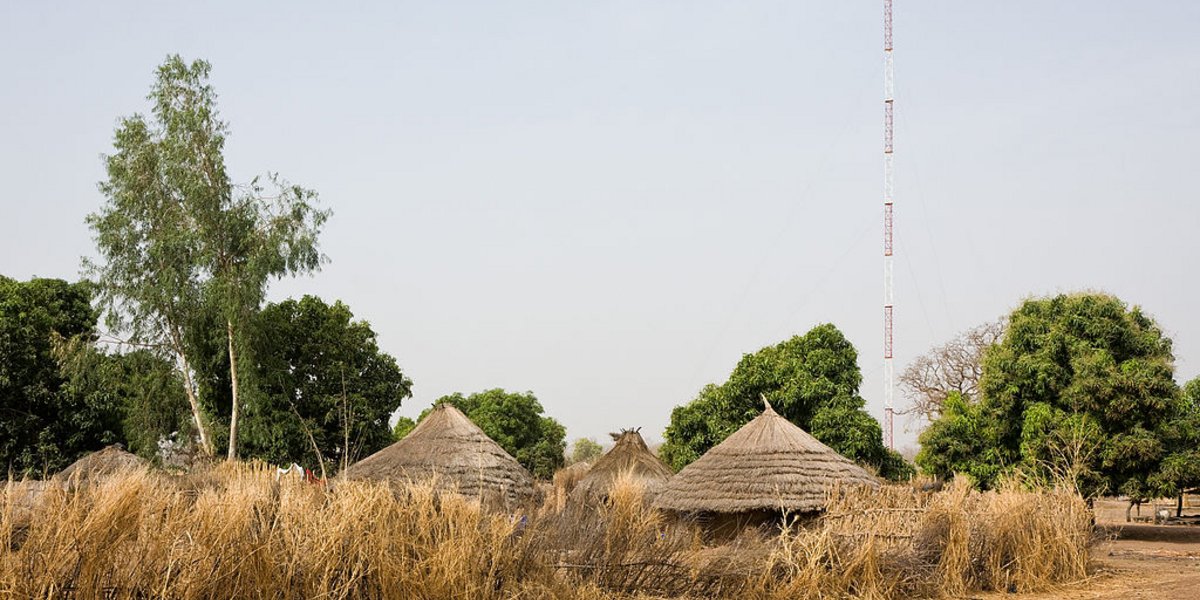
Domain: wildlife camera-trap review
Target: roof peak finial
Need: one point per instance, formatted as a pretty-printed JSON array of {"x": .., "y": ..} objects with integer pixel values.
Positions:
[{"x": 766, "y": 404}]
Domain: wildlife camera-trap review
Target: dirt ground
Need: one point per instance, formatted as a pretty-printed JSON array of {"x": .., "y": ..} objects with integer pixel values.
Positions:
[{"x": 1138, "y": 561}]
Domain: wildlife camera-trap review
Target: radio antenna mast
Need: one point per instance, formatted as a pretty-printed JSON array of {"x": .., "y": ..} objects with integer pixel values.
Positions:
[{"x": 888, "y": 102}]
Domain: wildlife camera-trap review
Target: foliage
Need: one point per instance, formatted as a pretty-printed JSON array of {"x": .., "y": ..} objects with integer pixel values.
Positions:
[
  {"x": 175, "y": 233},
  {"x": 321, "y": 383},
  {"x": 402, "y": 427},
  {"x": 586, "y": 450},
  {"x": 515, "y": 421},
  {"x": 1180, "y": 469},
  {"x": 139, "y": 390},
  {"x": 45, "y": 423},
  {"x": 952, "y": 368},
  {"x": 812, "y": 380},
  {"x": 1079, "y": 389},
  {"x": 162, "y": 172},
  {"x": 954, "y": 443}
]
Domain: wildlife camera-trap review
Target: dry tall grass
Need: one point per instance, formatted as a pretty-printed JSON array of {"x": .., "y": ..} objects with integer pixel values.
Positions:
[{"x": 235, "y": 533}]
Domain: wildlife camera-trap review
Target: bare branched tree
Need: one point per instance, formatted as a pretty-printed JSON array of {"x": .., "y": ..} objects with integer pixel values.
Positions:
[{"x": 955, "y": 366}]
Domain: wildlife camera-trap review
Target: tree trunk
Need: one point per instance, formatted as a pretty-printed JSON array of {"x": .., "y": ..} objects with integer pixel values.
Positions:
[
  {"x": 311, "y": 440},
  {"x": 233, "y": 378},
  {"x": 345, "y": 424},
  {"x": 1127, "y": 509},
  {"x": 1179, "y": 506},
  {"x": 206, "y": 444}
]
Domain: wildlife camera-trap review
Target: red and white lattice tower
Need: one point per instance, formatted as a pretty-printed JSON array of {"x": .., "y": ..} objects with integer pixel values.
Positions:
[{"x": 888, "y": 89}]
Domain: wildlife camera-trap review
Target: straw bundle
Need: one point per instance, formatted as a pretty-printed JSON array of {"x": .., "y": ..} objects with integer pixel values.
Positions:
[
  {"x": 448, "y": 447},
  {"x": 767, "y": 465}
]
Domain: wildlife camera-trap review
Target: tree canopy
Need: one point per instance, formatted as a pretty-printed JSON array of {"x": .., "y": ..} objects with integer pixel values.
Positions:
[
  {"x": 45, "y": 423},
  {"x": 318, "y": 383},
  {"x": 1080, "y": 388},
  {"x": 139, "y": 392},
  {"x": 516, "y": 422},
  {"x": 812, "y": 380},
  {"x": 586, "y": 450},
  {"x": 402, "y": 427},
  {"x": 952, "y": 368},
  {"x": 175, "y": 233}
]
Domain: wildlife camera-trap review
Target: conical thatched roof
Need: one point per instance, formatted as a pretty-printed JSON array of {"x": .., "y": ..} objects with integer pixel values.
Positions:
[
  {"x": 102, "y": 463},
  {"x": 629, "y": 455},
  {"x": 569, "y": 476},
  {"x": 768, "y": 464},
  {"x": 448, "y": 446}
]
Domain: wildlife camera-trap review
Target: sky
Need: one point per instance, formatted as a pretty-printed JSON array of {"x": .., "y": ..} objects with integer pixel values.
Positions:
[{"x": 609, "y": 203}]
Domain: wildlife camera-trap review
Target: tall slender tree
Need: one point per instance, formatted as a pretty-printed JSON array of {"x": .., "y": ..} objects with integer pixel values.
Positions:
[
  {"x": 151, "y": 272},
  {"x": 176, "y": 230},
  {"x": 248, "y": 240}
]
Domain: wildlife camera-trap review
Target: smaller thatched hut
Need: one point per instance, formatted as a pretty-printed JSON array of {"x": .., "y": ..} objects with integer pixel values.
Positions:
[
  {"x": 629, "y": 455},
  {"x": 101, "y": 464},
  {"x": 568, "y": 477},
  {"x": 448, "y": 447},
  {"x": 767, "y": 468}
]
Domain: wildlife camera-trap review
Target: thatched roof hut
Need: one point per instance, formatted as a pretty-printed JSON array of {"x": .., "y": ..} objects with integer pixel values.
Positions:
[
  {"x": 769, "y": 465},
  {"x": 448, "y": 446},
  {"x": 629, "y": 455},
  {"x": 100, "y": 464},
  {"x": 569, "y": 476}
]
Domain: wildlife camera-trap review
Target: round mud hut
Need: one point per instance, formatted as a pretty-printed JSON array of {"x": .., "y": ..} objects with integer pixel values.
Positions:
[
  {"x": 100, "y": 464},
  {"x": 447, "y": 446},
  {"x": 629, "y": 455},
  {"x": 767, "y": 468}
]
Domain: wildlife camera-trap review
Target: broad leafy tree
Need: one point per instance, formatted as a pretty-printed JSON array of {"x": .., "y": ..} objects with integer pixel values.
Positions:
[
  {"x": 586, "y": 450},
  {"x": 516, "y": 421},
  {"x": 323, "y": 390},
  {"x": 1079, "y": 389},
  {"x": 812, "y": 380},
  {"x": 1180, "y": 468},
  {"x": 402, "y": 427},
  {"x": 138, "y": 389},
  {"x": 955, "y": 443},
  {"x": 45, "y": 422}
]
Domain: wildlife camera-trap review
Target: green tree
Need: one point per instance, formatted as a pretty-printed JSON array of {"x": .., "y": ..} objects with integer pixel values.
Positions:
[
  {"x": 586, "y": 450},
  {"x": 954, "y": 443},
  {"x": 323, "y": 388},
  {"x": 1180, "y": 469},
  {"x": 150, "y": 273},
  {"x": 1079, "y": 388},
  {"x": 812, "y": 380},
  {"x": 44, "y": 422},
  {"x": 250, "y": 239},
  {"x": 402, "y": 427},
  {"x": 175, "y": 230},
  {"x": 139, "y": 390},
  {"x": 516, "y": 422}
]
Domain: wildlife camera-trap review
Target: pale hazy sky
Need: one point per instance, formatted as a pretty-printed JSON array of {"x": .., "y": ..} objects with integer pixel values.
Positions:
[{"x": 608, "y": 203}]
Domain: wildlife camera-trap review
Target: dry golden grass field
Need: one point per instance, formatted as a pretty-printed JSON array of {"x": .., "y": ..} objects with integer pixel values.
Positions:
[
  {"x": 1134, "y": 561},
  {"x": 235, "y": 533}
]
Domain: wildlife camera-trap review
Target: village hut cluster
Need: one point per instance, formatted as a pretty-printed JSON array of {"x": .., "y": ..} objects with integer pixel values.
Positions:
[{"x": 768, "y": 469}]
